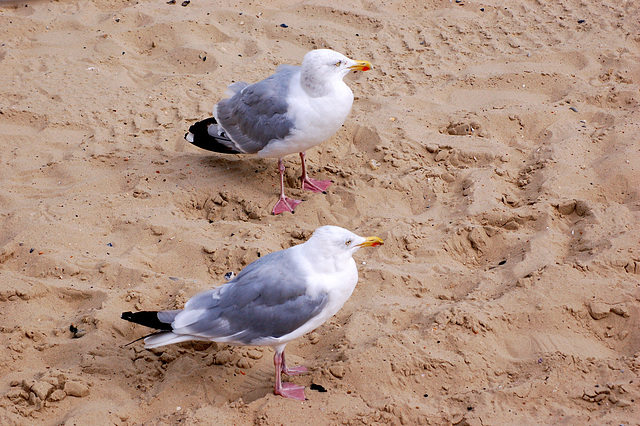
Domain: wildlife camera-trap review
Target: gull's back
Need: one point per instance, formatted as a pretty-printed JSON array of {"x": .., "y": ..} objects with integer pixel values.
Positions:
[
  {"x": 257, "y": 114},
  {"x": 267, "y": 300}
]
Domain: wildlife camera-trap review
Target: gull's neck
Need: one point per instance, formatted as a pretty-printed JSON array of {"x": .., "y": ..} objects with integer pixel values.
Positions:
[
  {"x": 325, "y": 260},
  {"x": 316, "y": 86}
]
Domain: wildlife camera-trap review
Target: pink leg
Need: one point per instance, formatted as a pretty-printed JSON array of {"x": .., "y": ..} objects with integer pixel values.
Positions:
[
  {"x": 284, "y": 204},
  {"x": 287, "y": 390},
  {"x": 293, "y": 371},
  {"x": 312, "y": 184}
]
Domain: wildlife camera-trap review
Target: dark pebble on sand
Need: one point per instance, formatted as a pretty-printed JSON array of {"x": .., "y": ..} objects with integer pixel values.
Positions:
[
  {"x": 77, "y": 332},
  {"x": 318, "y": 388}
]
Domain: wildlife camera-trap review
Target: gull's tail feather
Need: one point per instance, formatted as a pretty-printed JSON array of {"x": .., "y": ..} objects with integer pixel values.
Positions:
[
  {"x": 160, "y": 320},
  {"x": 166, "y": 338},
  {"x": 205, "y": 134}
]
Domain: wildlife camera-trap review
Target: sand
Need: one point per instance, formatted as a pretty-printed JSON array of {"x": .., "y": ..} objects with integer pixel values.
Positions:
[{"x": 494, "y": 147}]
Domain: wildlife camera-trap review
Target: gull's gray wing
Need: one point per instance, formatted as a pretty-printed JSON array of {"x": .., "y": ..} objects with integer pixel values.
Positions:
[
  {"x": 267, "y": 299},
  {"x": 257, "y": 113}
]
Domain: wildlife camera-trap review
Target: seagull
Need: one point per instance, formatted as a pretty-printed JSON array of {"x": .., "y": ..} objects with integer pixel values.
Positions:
[
  {"x": 289, "y": 112},
  {"x": 274, "y": 300}
]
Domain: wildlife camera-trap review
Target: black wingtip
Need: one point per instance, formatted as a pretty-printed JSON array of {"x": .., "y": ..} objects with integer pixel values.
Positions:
[
  {"x": 146, "y": 318},
  {"x": 202, "y": 138}
]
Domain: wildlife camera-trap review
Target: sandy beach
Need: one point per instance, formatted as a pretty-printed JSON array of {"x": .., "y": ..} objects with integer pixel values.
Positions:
[{"x": 494, "y": 146}]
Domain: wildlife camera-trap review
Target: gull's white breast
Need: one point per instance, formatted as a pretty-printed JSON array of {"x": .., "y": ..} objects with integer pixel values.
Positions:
[
  {"x": 338, "y": 285},
  {"x": 315, "y": 119}
]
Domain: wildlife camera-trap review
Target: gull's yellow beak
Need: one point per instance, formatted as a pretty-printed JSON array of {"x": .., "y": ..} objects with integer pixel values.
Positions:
[
  {"x": 361, "y": 66},
  {"x": 372, "y": 242}
]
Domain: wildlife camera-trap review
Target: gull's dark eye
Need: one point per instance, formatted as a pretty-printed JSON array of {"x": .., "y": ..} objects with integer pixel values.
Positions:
[
  {"x": 337, "y": 64},
  {"x": 348, "y": 243}
]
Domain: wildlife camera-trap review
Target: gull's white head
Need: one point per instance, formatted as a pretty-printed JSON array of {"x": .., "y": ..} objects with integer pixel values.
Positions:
[
  {"x": 338, "y": 241},
  {"x": 325, "y": 66}
]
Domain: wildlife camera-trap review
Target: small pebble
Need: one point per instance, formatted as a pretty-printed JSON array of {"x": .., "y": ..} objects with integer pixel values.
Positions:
[
  {"x": 337, "y": 371},
  {"x": 284, "y": 25},
  {"x": 17, "y": 393},
  {"x": 222, "y": 357},
  {"x": 76, "y": 389},
  {"x": 243, "y": 363},
  {"x": 254, "y": 354},
  {"x": 42, "y": 389},
  {"x": 448, "y": 177},
  {"x": 621, "y": 310},
  {"x": 598, "y": 310},
  {"x": 77, "y": 332},
  {"x": 57, "y": 395}
]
